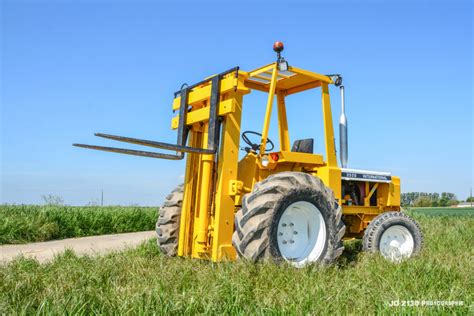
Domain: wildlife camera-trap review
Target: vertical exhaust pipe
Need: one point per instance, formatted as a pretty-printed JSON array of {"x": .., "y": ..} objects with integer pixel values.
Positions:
[{"x": 343, "y": 147}]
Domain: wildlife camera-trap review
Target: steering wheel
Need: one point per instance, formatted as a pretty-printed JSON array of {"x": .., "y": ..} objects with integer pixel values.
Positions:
[{"x": 255, "y": 146}]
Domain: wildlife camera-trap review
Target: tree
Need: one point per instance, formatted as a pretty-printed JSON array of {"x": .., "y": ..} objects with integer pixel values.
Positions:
[
  {"x": 470, "y": 199},
  {"x": 448, "y": 196},
  {"x": 443, "y": 202},
  {"x": 93, "y": 202},
  {"x": 52, "y": 200},
  {"x": 428, "y": 199},
  {"x": 422, "y": 201}
]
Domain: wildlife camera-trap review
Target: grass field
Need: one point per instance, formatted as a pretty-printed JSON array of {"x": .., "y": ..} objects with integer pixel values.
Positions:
[
  {"x": 30, "y": 223},
  {"x": 442, "y": 211},
  {"x": 143, "y": 281}
]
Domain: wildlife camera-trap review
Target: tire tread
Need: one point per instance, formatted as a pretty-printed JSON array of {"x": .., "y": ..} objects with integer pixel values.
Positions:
[{"x": 253, "y": 221}]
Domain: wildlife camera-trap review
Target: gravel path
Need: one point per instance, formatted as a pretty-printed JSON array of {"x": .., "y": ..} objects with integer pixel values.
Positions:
[{"x": 45, "y": 251}]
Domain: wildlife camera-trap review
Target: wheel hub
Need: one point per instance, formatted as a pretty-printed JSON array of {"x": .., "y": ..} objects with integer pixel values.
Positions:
[
  {"x": 301, "y": 233},
  {"x": 396, "y": 243}
]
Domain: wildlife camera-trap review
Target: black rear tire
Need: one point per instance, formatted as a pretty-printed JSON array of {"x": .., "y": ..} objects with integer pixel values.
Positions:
[
  {"x": 255, "y": 236},
  {"x": 167, "y": 225}
]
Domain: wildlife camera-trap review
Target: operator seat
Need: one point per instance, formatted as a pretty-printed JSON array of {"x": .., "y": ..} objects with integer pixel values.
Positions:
[{"x": 303, "y": 145}]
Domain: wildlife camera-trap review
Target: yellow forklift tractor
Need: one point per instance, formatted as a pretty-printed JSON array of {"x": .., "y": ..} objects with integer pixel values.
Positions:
[{"x": 288, "y": 204}]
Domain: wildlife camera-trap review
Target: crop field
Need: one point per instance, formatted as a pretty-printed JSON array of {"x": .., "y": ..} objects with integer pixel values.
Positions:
[
  {"x": 143, "y": 281},
  {"x": 32, "y": 223},
  {"x": 443, "y": 211}
]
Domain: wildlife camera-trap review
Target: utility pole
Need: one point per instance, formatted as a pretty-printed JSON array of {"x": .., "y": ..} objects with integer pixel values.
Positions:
[{"x": 102, "y": 198}]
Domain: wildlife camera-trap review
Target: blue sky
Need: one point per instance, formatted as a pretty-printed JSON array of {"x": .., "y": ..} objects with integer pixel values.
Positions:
[{"x": 69, "y": 69}]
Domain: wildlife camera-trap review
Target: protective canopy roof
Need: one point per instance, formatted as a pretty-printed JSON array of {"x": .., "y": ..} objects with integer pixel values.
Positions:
[{"x": 292, "y": 80}]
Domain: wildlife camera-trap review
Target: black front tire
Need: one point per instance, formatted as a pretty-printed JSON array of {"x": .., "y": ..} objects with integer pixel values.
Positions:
[{"x": 380, "y": 224}]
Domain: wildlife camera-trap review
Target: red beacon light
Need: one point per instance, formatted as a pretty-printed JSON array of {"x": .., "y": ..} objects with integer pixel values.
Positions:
[
  {"x": 281, "y": 62},
  {"x": 278, "y": 47}
]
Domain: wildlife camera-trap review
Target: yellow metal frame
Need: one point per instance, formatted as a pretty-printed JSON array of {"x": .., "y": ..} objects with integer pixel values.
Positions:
[
  {"x": 215, "y": 184},
  {"x": 206, "y": 223}
]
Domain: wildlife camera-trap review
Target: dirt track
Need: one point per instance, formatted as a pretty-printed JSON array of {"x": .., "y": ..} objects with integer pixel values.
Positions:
[{"x": 45, "y": 251}]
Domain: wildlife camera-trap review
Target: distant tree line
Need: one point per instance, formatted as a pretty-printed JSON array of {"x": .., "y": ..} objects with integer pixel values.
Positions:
[{"x": 422, "y": 199}]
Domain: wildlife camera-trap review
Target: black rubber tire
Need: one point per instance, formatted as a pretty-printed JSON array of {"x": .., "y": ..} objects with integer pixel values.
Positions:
[
  {"x": 373, "y": 233},
  {"x": 255, "y": 235},
  {"x": 167, "y": 225}
]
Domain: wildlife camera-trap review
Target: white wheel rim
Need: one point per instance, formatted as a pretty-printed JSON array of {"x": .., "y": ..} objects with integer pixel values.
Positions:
[
  {"x": 396, "y": 243},
  {"x": 301, "y": 233}
]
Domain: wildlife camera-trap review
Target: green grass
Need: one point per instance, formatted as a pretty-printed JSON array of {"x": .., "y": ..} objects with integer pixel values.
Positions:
[
  {"x": 30, "y": 223},
  {"x": 142, "y": 281},
  {"x": 443, "y": 211}
]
